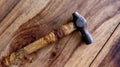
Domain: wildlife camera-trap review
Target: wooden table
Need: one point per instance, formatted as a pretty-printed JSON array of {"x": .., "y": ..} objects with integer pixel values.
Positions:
[{"x": 19, "y": 27}]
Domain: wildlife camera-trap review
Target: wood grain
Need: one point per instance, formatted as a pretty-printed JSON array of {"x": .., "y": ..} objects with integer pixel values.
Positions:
[
  {"x": 28, "y": 20},
  {"x": 109, "y": 55},
  {"x": 15, "y": 19},
  {"x": 6, "y": 7}
]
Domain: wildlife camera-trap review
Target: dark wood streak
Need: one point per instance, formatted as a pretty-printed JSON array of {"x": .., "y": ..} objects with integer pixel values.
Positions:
[
  {"x": 113, "y": 57},
  {"x": 9, "y": 6}
]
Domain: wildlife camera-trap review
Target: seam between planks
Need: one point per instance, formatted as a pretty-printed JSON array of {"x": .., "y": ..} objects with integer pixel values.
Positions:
[{"x": 104, "y": 44}]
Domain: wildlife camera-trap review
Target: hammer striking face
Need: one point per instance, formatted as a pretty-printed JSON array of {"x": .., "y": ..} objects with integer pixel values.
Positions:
[{"x": 79, "y": 23}]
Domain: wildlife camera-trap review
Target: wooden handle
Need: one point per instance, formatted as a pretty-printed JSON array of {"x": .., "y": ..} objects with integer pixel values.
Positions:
[
  {"x": 50, "y": 38},
  {"x": 40, "y": 43}
]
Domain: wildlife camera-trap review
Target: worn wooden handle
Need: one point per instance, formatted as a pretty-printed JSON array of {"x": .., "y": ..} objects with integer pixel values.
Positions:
[
  {"x": 40, "y": 43},
  {"x": 51, "y": 37}
]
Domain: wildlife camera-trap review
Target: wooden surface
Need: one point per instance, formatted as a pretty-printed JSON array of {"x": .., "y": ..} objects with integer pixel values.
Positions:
[{"x": 24, "y": 21}]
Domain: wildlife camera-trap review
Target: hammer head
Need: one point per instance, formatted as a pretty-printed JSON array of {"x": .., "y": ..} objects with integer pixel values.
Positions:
[{"x": 81, "y": 25}]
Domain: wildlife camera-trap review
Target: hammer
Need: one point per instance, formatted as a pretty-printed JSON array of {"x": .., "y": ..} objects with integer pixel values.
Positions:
[{"x": 79, "y": 23}]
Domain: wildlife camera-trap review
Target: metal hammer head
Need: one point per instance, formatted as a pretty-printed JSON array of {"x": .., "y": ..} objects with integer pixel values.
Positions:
[{"x": 81, "y": 25}]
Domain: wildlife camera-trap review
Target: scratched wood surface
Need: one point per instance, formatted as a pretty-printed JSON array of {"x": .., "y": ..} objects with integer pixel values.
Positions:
[{"x": 24, "y": 21}]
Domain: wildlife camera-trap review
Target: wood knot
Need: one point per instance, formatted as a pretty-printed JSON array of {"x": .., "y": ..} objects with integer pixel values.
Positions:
[{"x": 53, "y": 54}]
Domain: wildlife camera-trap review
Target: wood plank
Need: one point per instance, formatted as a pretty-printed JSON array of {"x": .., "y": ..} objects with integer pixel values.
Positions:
[
  {"x": 16, "y": 31},
  {"x": 110, "y": 54}
]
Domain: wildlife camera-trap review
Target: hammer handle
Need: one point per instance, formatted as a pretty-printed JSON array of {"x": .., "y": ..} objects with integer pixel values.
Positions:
[
  {"x": 50, "y": 38},
  {"x": 40, "y": 43}
]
